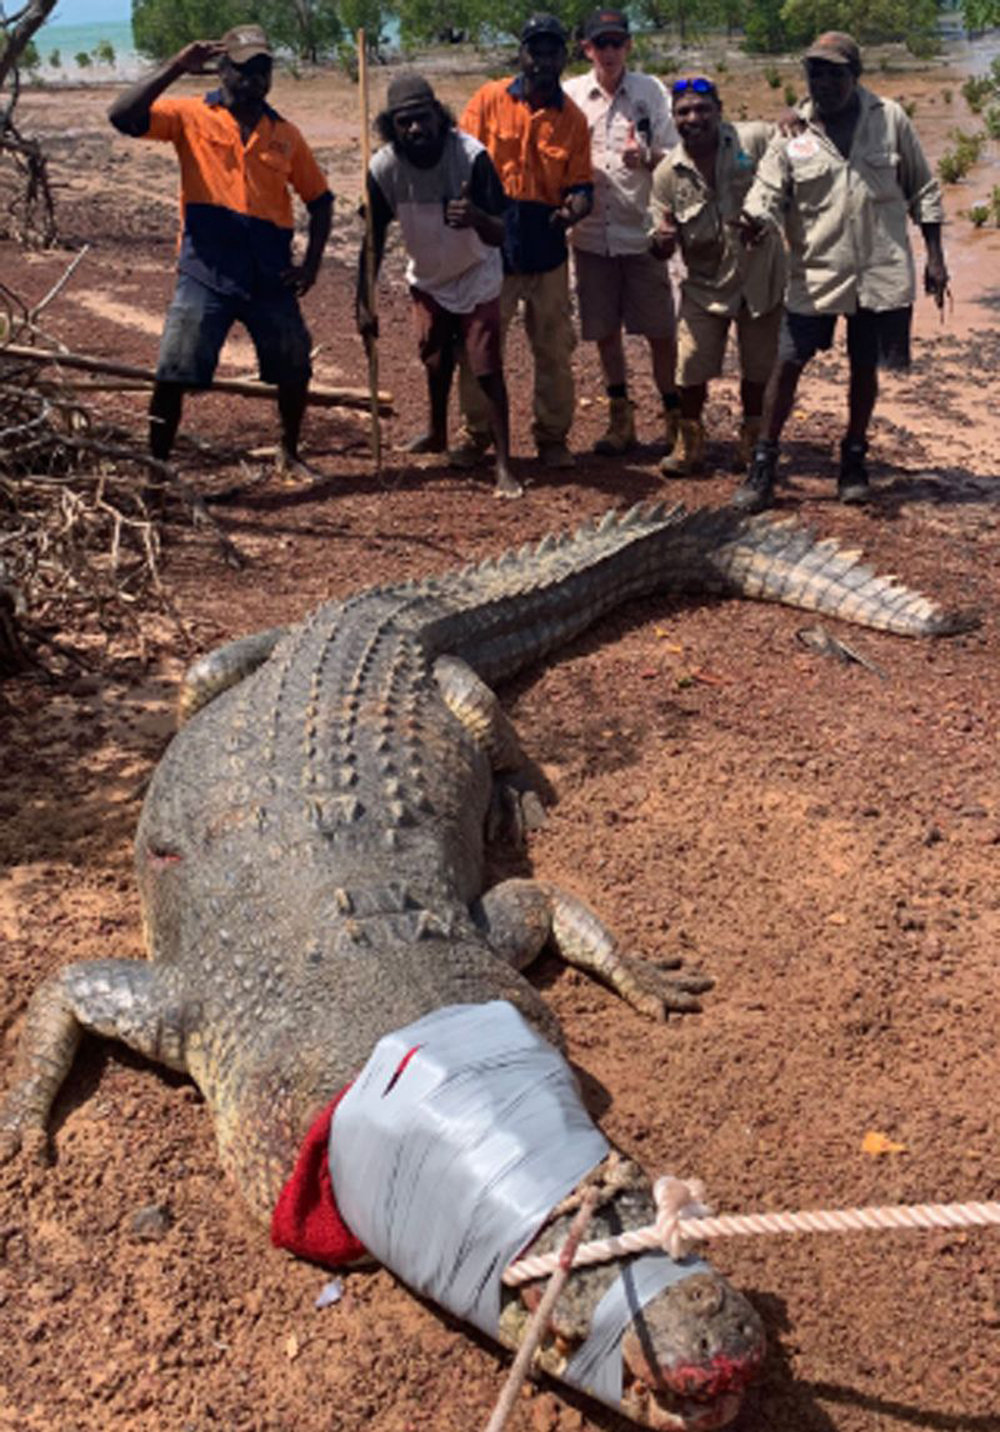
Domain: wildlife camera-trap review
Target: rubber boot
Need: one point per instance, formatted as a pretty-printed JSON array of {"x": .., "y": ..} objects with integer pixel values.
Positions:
[
  {"x": 620, "y": 433},
  {"x": 756, "y": 492},
  {"x": 688, "y": 452},
  {"x": 853, "y": 486},
  {"x": 749, "y": 438}
]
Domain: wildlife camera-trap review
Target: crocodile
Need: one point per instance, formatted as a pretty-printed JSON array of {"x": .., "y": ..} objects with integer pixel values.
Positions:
[{"x": 310, "y": 857}]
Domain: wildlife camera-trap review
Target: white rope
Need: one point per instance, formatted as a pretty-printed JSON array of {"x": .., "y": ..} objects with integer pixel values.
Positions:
[{"x": 681, "y": 1215}]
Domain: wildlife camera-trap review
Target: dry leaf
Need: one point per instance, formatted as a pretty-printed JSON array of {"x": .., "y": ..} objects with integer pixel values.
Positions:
[
  {"x": 291, "y": 1347},
  {"x": 877, "y": 1144}
]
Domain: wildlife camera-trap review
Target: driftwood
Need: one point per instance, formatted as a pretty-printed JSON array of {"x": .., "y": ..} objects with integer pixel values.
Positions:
[{"x": 319, "y": 395}]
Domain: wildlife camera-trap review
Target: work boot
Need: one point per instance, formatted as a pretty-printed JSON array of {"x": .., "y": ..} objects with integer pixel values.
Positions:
[
  {"x": 749, "y": 438},
  {"x": 757, "y": 489},
  {"x": 672, "y": 423},
  {"x": 689, "y": 449},
  {"x": 470, "y": 450},
  {"x": 555, "y": 454},
  {"x": 852, "y": 481},
  {"x": 620, "y": 434}
]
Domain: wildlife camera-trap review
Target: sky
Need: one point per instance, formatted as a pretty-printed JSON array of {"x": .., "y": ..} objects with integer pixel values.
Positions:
[{"x": 86, "y": 12}]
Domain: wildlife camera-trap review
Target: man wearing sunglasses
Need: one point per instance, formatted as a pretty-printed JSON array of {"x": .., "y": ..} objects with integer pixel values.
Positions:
[
  {"x": 698, "y": 195},
  {"x": 240, "y": 164},
  {"x": 539, "y": 144},
  {"x": 618, "y": 281},
  {"x": 844, "y": 187}
]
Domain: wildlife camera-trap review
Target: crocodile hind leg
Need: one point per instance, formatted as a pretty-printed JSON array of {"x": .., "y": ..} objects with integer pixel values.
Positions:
[
  {"x": 519, "y": 917},
  {"x": 140, "y": 1004},
  {"x": 517, "y": 783},
  {"x": 222, "y": 668}
]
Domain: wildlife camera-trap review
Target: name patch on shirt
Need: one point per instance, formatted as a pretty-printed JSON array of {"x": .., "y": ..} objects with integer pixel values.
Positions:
[{"x": 803, "y": 146}]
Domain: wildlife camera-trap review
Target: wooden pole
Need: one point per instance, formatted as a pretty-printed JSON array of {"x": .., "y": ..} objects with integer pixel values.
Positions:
[
  {"x": 318, "y": 395},
  {"x": 371, "y": 342}
]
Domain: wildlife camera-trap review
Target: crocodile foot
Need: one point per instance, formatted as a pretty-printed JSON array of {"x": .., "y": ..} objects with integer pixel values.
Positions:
[{"x": 652, "y": 990}]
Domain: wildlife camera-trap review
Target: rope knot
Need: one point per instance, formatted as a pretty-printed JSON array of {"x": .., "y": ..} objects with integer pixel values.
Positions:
[{"x": 675, "y": 1200}]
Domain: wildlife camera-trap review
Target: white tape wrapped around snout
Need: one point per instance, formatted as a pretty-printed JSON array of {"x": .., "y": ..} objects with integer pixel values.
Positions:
[{"x": 460, "y": 1135}]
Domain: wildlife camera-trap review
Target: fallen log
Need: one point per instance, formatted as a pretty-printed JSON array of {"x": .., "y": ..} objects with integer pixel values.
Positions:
[{"x": 318, "y": 395}]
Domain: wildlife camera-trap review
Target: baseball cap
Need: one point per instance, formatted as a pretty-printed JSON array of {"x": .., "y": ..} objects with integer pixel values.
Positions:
[
  {"x": 539, "y": 25},
  {"x": 244, "y": 42},
  {"x": 605, "y": 22},
  {"x": 408, "y": 90},
  {"x": 837, "y": 49}
]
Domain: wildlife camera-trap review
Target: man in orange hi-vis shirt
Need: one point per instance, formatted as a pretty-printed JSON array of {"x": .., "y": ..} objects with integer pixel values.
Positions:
[
  {"x": 539, "y": 142},
  {"x": 240, "y": 163}
]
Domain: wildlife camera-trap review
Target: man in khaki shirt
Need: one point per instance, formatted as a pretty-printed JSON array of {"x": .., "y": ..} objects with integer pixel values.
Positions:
[
  {"x": 845, "y": 185},
  {"x": 698, "y": 194}
]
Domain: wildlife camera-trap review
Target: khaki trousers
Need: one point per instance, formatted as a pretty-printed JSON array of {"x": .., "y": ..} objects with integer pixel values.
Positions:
[{"x": 549, "y": 327}]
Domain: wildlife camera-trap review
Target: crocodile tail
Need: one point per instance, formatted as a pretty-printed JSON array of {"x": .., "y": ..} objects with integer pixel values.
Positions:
[{"x": 781, "y": 561}]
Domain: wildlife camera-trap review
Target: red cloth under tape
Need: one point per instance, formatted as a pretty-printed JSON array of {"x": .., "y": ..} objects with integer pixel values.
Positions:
[{"x": 306, "y": 1219}]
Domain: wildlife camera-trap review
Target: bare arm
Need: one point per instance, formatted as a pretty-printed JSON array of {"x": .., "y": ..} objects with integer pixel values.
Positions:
[
  {"x": 301, "y": 277},
  {"x": 130, "y": 112}
]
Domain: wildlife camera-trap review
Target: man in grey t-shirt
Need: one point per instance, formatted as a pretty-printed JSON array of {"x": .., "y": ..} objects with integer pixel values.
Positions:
[{"x": 441, "y": 186}]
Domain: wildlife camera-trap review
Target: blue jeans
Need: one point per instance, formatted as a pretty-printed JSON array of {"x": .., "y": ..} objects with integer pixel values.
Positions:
[{"x": 199, "y": 319}]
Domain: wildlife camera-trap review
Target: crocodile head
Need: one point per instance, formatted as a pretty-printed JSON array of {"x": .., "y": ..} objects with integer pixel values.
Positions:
[
  {"x": 689, "y": 1355},
  {"x": 686, "y": 1357}
]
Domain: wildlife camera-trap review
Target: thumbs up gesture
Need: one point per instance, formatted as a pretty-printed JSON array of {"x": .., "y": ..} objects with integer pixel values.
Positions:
[
  {"x": 632, "y": 150},
  {"x": 460, "y": 213}
]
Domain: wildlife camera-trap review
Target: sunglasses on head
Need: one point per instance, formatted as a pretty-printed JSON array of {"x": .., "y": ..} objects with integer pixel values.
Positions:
[
  {"x": 698, "y": 85},
  {"x": 602, "y": 42}
]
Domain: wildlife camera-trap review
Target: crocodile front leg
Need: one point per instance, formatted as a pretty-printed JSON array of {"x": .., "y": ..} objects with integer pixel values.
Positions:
[
  {"x": 519, "y": 917},
  {"x": 140, "y": 1004}
]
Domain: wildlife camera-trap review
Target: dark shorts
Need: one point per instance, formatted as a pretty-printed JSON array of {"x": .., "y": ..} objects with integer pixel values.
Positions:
[
  {"x": 199, "y": 319},
  {"x": 478, "y": 332},
  {"x": 874, "y": 340}
]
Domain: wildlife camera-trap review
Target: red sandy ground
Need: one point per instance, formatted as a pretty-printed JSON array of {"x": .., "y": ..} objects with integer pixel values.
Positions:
[{"x": 821, "y": 839}]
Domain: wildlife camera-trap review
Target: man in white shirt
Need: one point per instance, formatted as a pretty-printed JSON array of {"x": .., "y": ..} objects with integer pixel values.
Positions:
[{"x": 619, "y": 283}]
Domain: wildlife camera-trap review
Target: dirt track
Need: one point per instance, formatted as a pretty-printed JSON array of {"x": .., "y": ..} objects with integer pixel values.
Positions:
[{"x": 822, "y": 839}]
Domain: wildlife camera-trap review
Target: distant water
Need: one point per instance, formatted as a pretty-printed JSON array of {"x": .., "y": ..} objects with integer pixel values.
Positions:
[{"x": 68, "y": 41}]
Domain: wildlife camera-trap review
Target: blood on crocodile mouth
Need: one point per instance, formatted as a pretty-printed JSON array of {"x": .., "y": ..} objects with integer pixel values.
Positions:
[{"x": 698, "y": 1398}]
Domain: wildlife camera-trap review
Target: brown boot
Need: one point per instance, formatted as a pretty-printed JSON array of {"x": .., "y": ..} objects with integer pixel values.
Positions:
[
  {"x": 686, "y": 457},
  {"x": 620, "y": 434},
  {"x": 749, "y": 438},
  {"x": 672, "y": 422}
]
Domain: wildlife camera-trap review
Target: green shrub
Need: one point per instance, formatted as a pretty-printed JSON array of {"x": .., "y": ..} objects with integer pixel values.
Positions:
[
  {"x": 976, "y": 91},
  {"x": 995, "y": 203},
  {"x": 791, "y": 98},
  {"x": 82, "y": 60},
  {"x": 950, "y": 168},
  {"x": 772, "y": 76},
  {"x": 979, "y": 212},
  {"x": 968, "y": 147},
  {"x": 991, "y": 119},
  {"x": 947, "y": 95}
]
